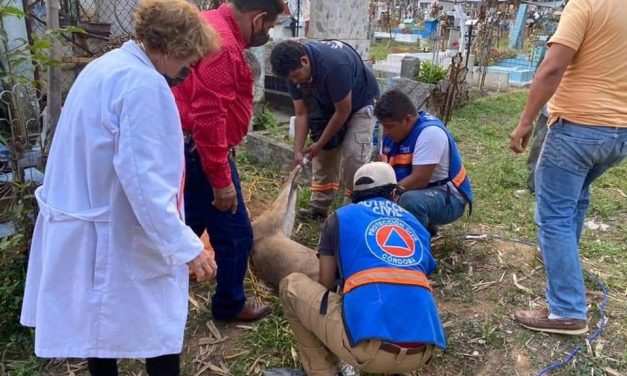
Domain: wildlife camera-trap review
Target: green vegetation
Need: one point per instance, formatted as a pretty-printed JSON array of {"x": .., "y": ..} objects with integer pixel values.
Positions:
[
  {"x": 382, "y": 48},
  {"x": 430, "y": 73},
  {"x": 265, "y": 120},
  {"x": 479, "y": 283},
  {"x": 474, "y": 283}
]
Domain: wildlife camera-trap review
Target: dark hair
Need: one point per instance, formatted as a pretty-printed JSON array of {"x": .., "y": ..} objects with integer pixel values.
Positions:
[
  {"x": 384, "y": 191},
  {"x": 394, "y": 105},
  {"x": 272, "y": 7},
  {"x": 285, "y": 57}
]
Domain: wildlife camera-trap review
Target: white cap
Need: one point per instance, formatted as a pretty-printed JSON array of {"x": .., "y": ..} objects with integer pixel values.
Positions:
[{"x": 372, "y": 175}]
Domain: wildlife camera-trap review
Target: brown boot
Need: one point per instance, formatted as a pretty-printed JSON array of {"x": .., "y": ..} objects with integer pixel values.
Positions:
[
  {"x": 252, "y": 311},
  {"x": 539, "y": 320}
]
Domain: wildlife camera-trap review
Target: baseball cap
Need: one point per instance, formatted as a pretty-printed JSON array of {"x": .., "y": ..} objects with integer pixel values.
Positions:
[{"x": 373, "y": 175}]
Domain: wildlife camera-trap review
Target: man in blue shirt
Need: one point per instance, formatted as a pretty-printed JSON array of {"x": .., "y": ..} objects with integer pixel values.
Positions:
[
  {"x": 333, "y": 93},
  {"x": 385, "y": 319},
  {"x": 433, "y": 182}
]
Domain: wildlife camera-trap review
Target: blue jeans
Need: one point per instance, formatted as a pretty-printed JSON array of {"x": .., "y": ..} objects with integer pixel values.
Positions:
[
  {"x": 231, "y": 236},
  {"x": 573, "y": 156},
  {"x": 432, "y": 206}
]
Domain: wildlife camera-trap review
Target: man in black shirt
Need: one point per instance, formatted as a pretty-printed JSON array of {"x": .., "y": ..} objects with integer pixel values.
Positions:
[{"x": 333, "y": 93}]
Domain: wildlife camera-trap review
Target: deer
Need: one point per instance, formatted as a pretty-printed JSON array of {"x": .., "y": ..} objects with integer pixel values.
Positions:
[{"x": 274, "y": 253}]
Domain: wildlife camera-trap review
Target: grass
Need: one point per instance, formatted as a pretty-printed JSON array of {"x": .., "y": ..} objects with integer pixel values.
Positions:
[
  {"x": 382, "y": 48},
  {"x": 474, "y": 283},
  {"x": 482, "y": 130},
  {"x": 267, "y": 123},
  {"x": 272, "y": 342},
  {"x": 483, "y": 339}
]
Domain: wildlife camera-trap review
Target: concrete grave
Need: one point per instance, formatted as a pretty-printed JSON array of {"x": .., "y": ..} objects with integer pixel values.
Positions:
[
  {"x": 417, "y": 91},
  {"x": 410, "y": 65},
  {"x": 332, "y": 19}
]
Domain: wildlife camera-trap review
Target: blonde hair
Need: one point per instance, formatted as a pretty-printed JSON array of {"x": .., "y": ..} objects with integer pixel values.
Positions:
[{"x": 174, "y": 27}]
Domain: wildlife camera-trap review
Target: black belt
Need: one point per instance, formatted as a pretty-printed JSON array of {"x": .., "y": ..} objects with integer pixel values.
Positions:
[
  {"x": 190, "y": 145},
  {"x": 396, "y": 349}
]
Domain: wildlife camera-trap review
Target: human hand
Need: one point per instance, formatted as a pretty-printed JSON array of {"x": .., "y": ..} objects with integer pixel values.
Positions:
[
  {"x": 312, "y": 150},
  {"x": 225, "y": 198},
  {"x": 204, "y": 266},
  {"x": 298, "y": 159},
  {"x": 519, "y": 139}
]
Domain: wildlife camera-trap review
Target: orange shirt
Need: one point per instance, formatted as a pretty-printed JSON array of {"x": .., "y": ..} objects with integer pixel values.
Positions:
[{"x": 594, "y": 88}]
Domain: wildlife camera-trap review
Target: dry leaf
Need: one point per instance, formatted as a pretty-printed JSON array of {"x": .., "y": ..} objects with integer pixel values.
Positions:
[
  {"x": 612, "y": 371},
  {"x": 523, "y": 288},
  {"x": 213, "y": 329}
]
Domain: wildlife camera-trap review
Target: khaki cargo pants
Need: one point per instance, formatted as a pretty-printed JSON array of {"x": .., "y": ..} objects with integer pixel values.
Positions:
[
  {"x": 322, "y": 340},
  {"x": 330, "y": 167}
]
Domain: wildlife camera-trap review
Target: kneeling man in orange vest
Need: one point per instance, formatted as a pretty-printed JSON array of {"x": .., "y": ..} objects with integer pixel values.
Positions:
[{"x": 384, "y": 317}]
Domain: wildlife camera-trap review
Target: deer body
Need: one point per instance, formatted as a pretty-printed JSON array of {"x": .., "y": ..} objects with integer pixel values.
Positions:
[{"x": 275, "y": 254}]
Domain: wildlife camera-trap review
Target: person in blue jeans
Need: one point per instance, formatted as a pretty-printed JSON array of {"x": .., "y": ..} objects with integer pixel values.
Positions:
[
  {"x": 432, "y": 180},
  {"x": 231, "y": 233},
  {"x": 586, "y": 82},
  {"x": 215, "y": 102}
]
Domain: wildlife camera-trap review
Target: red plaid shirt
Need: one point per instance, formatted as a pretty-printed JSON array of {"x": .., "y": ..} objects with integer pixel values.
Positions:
[{"x": 216, "y": 100}]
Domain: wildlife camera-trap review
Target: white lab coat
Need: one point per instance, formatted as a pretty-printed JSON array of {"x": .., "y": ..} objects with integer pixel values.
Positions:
[{"x": 107, "y": 274}]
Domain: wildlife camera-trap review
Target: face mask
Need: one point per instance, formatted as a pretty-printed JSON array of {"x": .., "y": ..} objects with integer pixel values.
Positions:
[
  {"x": 179, "y": 77},
  {"x": 257, "y": 39}
]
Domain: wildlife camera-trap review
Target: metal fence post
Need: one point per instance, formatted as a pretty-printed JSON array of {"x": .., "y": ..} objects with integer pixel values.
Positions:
[{"x": 54, "y": 75}]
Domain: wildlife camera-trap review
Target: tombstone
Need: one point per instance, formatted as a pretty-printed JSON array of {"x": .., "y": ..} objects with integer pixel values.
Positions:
[
  {"x": 410, "y": 65},
  {"x": 332, "y": 19},
  {"x": 415, "y": 90},
  {"x": 518, "y": 27},
  {"x": 255, "y": 57}
]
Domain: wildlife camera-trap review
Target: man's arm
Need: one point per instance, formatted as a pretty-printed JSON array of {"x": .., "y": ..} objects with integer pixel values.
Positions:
[
  {"x": 544, "y": 85},
  {"x": 419, "y": 177},
  {"x": 430, "y": 147},
  {"x": 328, "y": 271},
  {"x": 301, "y": 129},
  {"x": 213, "y": 89},
  {"x": 342, "y": 112},
  {"x": 327, "y": 249},
  {"x": 339, "y": 85},
  {"x": 564, "y": 44}
]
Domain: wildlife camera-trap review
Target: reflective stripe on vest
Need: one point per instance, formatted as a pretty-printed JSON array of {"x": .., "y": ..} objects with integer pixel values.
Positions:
[
  {"x": 325, "y": 187},
  {"x": 386, "y": 275},
  {"x": 459, "y": 178},
  {"x": 396, "y": 154},
  {"x": 383, "y": 297},
  {"x": 400, "y": 160}
]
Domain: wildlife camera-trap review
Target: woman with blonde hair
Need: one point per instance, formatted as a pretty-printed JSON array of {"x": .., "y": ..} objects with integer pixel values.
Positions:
[{"x": 108, "y": 273}]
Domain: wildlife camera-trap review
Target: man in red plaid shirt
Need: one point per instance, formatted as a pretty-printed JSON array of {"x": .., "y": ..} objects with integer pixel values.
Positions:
[{"x": 215, "y": 102}]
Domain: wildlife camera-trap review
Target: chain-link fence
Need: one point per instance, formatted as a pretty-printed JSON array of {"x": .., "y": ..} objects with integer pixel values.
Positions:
[{"x": 106, "y": 24}]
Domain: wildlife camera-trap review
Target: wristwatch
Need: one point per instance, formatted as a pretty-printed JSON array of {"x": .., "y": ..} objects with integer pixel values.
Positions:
[{"x": 400, "y": 190}]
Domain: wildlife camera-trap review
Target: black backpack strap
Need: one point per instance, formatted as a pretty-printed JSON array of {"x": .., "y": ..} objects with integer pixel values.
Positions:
[
  {"x": 439, "y": 182},
  {"x": 324, "y": 303}
]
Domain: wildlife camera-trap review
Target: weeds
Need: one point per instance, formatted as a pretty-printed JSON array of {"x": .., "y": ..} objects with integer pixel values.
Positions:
[
  {"x": 473, "y": 284},
  {"x": 430, "y": 73}
]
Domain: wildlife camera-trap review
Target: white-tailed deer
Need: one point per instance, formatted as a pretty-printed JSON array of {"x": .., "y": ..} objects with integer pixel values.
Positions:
[{"x": 275, "y": 254}]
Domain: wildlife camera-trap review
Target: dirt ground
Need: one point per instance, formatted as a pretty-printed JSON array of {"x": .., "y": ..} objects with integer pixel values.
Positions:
[{"x": 478, "y": 285}]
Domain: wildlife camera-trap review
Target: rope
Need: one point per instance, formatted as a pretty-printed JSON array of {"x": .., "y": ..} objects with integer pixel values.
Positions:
[{"x": 602, "y": 321}]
